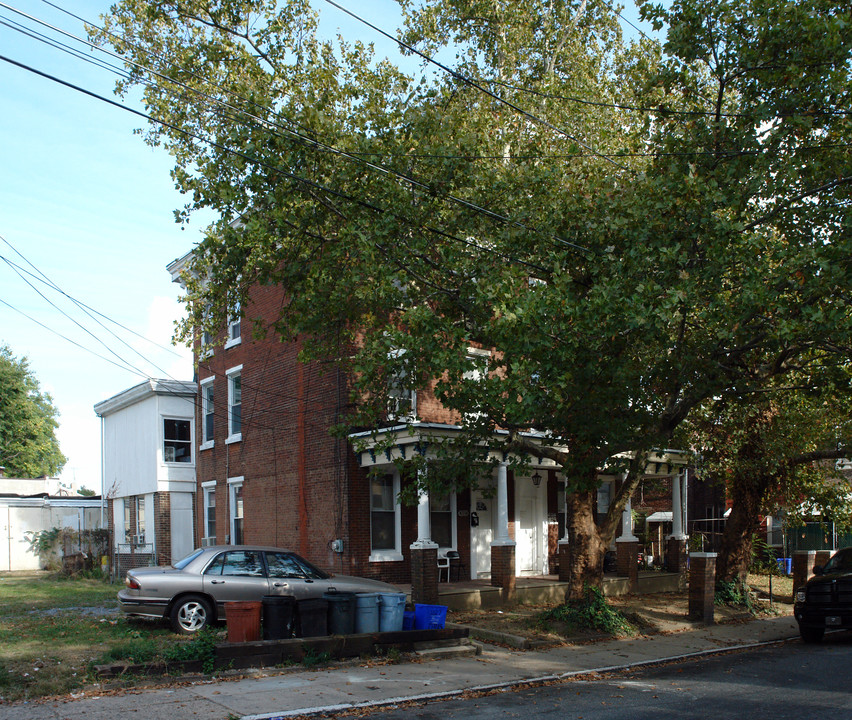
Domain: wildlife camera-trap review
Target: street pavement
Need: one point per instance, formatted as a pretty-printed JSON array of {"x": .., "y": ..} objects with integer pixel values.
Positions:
[{"x": 293, "y": 692}]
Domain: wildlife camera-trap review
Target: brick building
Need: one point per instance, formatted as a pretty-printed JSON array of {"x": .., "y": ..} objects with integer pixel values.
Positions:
[{"x": 269, "y": 471}]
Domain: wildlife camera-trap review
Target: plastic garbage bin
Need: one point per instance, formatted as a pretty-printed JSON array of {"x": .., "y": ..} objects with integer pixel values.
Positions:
[
  {"x": 243, "y": 620},
  {"x": 278, "y": 611},
  {"x": 313, "y": 617},
  {"x": 367, "y": 612},
  {"x": 341, "y": 612},
  {"x": 391, "y": 611}
]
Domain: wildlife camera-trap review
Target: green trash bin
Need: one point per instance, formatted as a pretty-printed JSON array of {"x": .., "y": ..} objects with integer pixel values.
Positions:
[{"x": 341, "y": 612}]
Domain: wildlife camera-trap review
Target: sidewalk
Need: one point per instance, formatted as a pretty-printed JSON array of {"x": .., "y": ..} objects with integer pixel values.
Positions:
[{"x": 296, "y": 691}]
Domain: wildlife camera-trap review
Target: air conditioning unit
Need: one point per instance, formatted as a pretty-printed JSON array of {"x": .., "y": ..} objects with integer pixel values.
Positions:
[
  {"x": 208, "y": 541},
  {"x": 137, "y": 539}
]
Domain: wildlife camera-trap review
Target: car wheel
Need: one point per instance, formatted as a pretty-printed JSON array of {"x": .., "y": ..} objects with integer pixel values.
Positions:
[
  {"x": 811, "y": 634},
  {"x": 190, "y": 614}
]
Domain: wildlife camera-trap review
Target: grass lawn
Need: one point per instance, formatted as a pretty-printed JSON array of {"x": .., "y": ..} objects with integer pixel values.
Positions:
[{"x": 53, "y": 630}]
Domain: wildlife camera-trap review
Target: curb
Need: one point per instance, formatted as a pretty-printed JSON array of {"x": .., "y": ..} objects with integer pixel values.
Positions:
[{"x": 541, "y": 680}]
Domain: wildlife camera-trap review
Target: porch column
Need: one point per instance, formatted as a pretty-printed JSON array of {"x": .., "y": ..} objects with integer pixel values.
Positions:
[
  {"x": 424, "y": 557},
  {"x": 627, "y": 546},
  {"x": 676, "y": 549},
  {"x": 564, "y": 543},
  {"x": 503, "y": 547}
]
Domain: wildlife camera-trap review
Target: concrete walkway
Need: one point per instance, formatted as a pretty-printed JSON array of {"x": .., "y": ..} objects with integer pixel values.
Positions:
[{"x": 296, "y": 692}]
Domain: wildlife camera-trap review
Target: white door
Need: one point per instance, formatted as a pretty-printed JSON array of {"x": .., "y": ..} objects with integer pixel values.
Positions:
[
  {"x": 481, "y": 534},
  {"x": 530, "y": 528}
]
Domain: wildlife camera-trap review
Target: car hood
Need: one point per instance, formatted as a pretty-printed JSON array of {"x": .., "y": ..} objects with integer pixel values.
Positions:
[{"x": 829, "y": 577}]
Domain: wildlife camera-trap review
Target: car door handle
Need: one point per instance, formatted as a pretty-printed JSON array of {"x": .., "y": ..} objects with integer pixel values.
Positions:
[
  {"x": 280, "y": 584},
  {"x": 217, "y": 582}
]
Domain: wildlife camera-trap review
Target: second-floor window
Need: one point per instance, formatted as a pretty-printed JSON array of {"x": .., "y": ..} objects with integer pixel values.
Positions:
[
  {"x": 207, "y": 412},
  {"x": 234, "y": 328},
  {"x": 235, "y": 404},
  {"x": 177, "y": 441},
  {"x": 402, "y": 398}
]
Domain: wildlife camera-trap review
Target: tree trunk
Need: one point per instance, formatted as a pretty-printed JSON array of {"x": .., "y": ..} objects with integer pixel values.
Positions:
[
  {"x": 743, "y": 523},
  {"x": 586, "y": 549}
]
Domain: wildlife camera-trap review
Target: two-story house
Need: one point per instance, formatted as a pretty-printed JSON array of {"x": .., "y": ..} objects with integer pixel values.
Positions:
[
  {"x": 149, "y": 457},
  {"x": 270, "y": 472}
]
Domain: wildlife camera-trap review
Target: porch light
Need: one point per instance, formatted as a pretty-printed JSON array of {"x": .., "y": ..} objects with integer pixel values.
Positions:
[{"x": 536, "y": 478}]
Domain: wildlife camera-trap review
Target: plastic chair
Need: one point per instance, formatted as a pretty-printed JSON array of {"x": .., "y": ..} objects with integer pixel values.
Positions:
[{"x": 444, "y": 564}]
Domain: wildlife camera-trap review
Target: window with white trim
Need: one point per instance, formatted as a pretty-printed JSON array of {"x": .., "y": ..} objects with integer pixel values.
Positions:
[
  {"x": 442, "y": 520},
  {"x": 235, "y": 404},
  {"x": 207, "y": 413},
  {"x": 177, "y": 441},
  {"x": 140, "y": 519},
  {"x": 402, "y": 398},
  {"x": 206, "y": 337},
  {"x": 234, "y": 328},
  {"x": 385, "y": 536},
  {"x": 208, "y": 490},
  {"x": 235, "y": 492}
]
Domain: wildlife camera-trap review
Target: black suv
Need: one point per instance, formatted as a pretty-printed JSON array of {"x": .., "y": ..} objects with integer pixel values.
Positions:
[{"x": 826, "y": 601}]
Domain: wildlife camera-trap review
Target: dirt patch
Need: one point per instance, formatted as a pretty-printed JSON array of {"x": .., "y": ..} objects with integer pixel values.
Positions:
[{"x": 649, "y": 614}]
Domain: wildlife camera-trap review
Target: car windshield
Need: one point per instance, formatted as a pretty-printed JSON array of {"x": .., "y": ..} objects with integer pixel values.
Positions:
[
  {"x": 841, "y": 562},
  {"x": 183, "y": 562}
]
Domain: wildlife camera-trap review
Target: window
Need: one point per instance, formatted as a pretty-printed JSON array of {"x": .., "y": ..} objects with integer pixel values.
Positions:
[
  {"x": 128, "y": 531},
  {"x": 177, "y": 441},
  {"x": 240, "y": 563},
  {"x": 206, "y": 339},
  {"x": 235, "y": 404},
  {"x": 140, "y": 519},
  {"x": 604, "y": 490},
  {"x": 209, "y": 494},
  {"x": 207, "y": 413},
  {"x": 235, "y": 490},
  {"x": 234, "y": 329},
  {"x": 442, "y": 520},
  {"x": 384, "y": 518},
  {"x": 402, "y": 398}
]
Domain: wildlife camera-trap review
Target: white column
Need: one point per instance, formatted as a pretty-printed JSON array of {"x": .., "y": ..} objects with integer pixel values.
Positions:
[
  {"x": 677, "y": 509},
  {"x": 501, "y": 534},
  {"x": 627, "y": 524},
  {"x": 424, "y": 523}
]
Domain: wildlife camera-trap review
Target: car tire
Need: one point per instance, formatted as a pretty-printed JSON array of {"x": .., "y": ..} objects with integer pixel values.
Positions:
[
  {"x": 190, "y": 614},
  {"x": 811, "y": 634}
]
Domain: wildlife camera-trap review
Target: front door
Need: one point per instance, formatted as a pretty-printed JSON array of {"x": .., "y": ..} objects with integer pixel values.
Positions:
[
  {"x": 530, "y": 528},
  {"x": 481, "y": 534}
]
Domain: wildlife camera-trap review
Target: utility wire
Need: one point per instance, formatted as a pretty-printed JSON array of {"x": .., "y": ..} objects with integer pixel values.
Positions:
[
  {"x": 472, "y": 83},
  {"x": 420, "y": 185}
]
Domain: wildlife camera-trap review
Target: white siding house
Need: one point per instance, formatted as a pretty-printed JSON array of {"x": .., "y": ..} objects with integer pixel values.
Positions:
[{"x": 148, "y": 450}]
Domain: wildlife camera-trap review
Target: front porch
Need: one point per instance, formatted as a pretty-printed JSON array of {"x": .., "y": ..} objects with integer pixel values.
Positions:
[{"x": 541, "y": 590}]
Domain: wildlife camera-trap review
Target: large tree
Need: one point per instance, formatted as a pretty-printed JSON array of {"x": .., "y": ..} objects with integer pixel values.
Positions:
[
  {"x": 774, "y": 453},
  {"x": 626, "y": 229},
  {"x": 28, "y": 422}
]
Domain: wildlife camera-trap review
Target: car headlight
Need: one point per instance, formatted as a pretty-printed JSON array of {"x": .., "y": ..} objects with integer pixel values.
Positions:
[{"x": 800, "y": 596}]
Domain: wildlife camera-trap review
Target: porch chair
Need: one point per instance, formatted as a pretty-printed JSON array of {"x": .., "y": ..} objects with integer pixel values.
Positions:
[
  {"x": 444, "y": 564},
  {"x": 456, "y": 565}
]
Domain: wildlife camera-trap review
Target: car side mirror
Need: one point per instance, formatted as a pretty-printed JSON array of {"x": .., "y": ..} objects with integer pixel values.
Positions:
[{"x": 818, "y": 570}]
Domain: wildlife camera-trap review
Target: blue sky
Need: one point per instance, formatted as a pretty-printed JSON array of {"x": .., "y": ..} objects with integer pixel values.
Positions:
[{"x": 91, "y": 207}]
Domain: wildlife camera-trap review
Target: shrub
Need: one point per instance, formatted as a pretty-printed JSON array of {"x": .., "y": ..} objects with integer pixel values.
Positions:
[{"x": 590, "y": 611}]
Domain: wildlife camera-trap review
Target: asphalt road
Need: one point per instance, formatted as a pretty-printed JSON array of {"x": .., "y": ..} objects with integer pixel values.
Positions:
[{"x": 792, "y": 681}]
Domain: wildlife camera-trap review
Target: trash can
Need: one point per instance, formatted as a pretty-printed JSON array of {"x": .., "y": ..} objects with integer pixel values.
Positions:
[
  {"x": 391, "y": 611},
  {"x": 243, "y": 620},
  {"x": 367, "y": 612},
  {"x": 313, "y": 617},
  {"x": 278, "y": 611},
  {"x": 408, "y": 620},
  {"x": 341, "y": 612}
]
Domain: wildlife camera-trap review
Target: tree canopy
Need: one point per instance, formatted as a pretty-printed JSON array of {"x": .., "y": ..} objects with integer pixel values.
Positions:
[
  {"x": 630, "y": 227},
  {"x": 28, "y": 422}
]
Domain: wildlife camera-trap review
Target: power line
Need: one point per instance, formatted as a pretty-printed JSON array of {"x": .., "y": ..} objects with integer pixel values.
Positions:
[
  {"x": 472, "y": 83},
  {"x": 420, "y": 185}
]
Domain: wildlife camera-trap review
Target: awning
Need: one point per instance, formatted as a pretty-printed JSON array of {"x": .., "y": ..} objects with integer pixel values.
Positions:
[{"x": 659, "y": 517}]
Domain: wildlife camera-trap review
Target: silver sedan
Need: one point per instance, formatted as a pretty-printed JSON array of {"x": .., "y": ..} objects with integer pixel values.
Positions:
[{"x": 192, "y": 592}]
